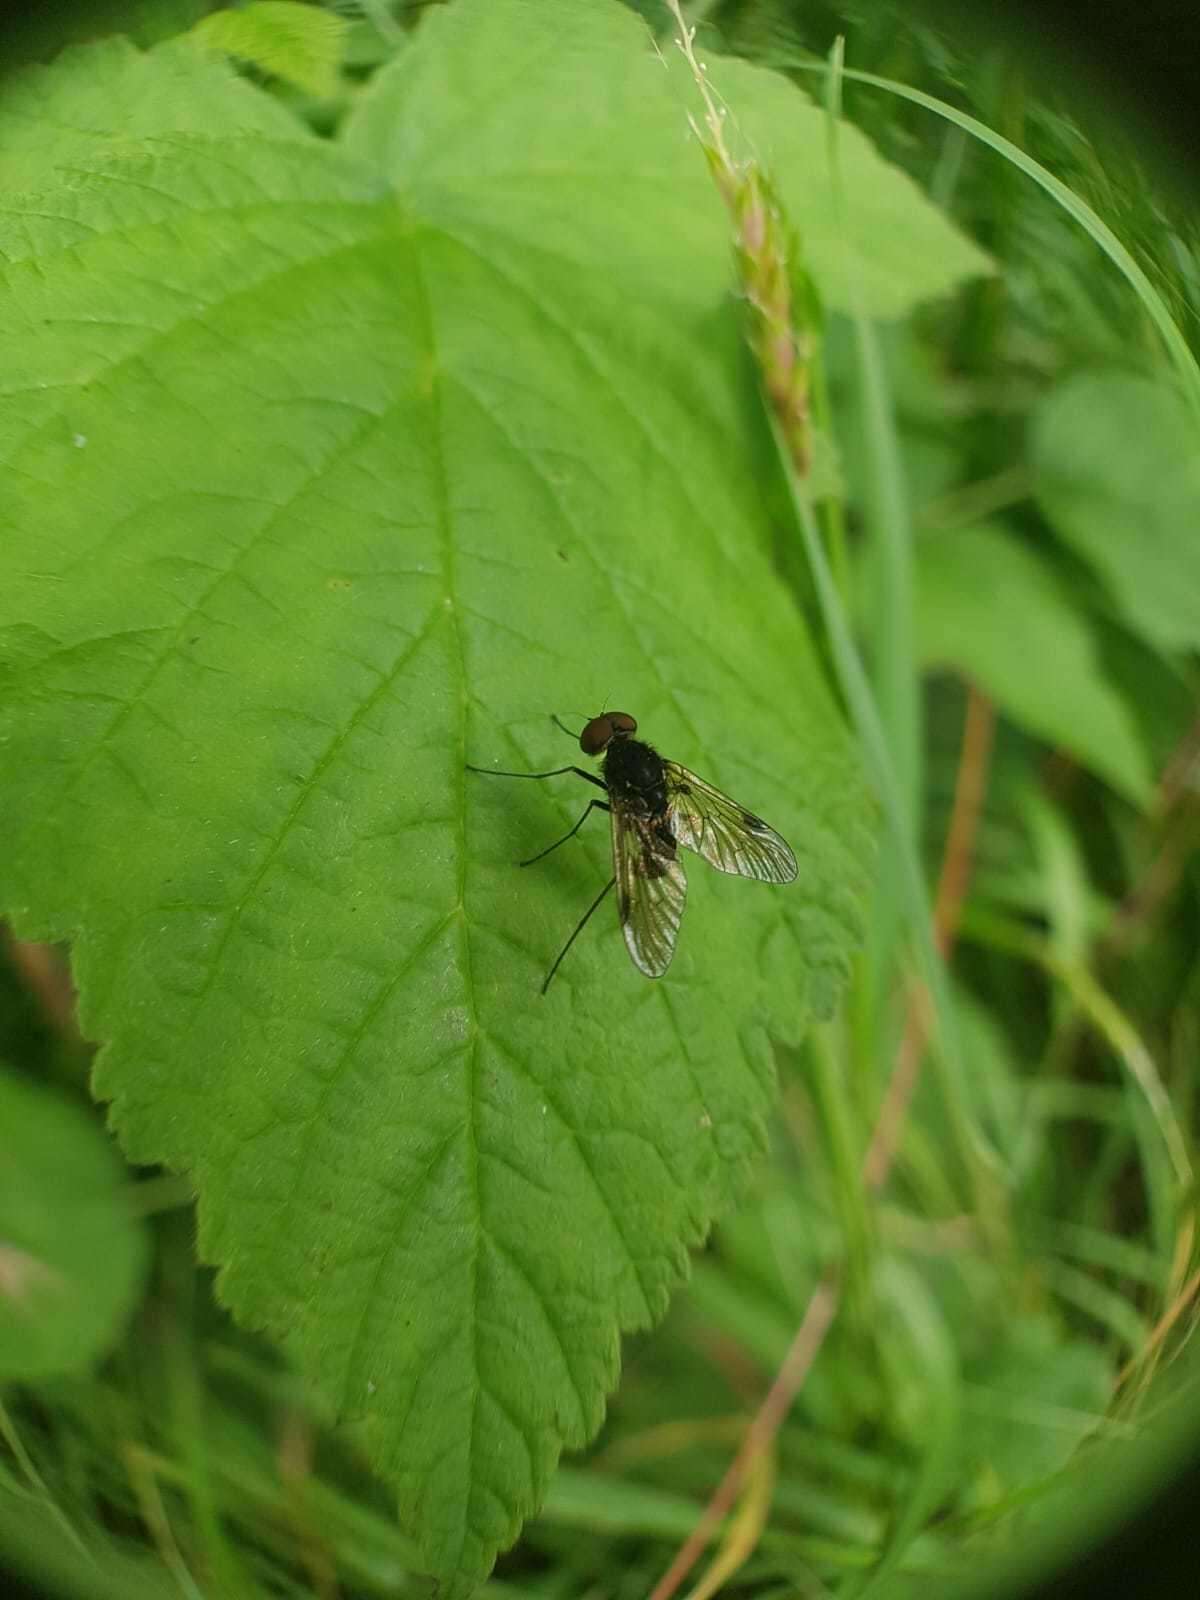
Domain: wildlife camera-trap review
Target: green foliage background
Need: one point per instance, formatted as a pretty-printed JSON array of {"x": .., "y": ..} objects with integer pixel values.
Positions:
[{"x": 367, "y": 403}]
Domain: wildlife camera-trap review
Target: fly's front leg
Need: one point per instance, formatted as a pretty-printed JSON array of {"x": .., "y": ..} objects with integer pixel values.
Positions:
[
  {"x": 556, "y": 772},
  {"x": 592, "y": 805}
]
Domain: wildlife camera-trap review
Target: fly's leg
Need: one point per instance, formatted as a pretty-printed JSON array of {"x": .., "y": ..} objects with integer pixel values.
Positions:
[
  {"x": 592, "y": 805},
  {"x": 602, "y": 805},
  {"x": 494, "y": 772},
  {"x": 579, "y": 927}
]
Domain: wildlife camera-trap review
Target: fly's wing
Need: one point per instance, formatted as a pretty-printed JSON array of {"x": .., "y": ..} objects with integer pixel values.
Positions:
[
  {"x": 651, "y": 889},
  {"x": 728, "y": 836}
]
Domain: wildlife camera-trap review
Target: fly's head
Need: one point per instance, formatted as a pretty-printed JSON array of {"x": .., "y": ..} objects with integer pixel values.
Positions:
[{"x": 602, "y": 730}]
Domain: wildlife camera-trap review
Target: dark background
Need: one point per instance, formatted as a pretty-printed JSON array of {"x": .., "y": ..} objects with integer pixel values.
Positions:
[{"x": 1140, "y": 59}]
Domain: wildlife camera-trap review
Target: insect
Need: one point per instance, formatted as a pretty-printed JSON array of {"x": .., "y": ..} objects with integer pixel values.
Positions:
[{"x": 655, "y": 806}]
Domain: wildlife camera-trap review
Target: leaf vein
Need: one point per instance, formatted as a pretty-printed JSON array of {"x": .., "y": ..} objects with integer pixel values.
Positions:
[
  {"x": 555, "y": 1330},
  {"x": 304, "y": 794},
  {"x": 586, "y": 1163},
  {"x": 440, "y": 479}
]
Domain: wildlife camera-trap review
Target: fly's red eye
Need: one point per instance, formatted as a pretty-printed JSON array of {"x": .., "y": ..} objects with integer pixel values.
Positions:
[
  {"x": 596, "y": 735},
  {"x": 601, "y": 730}
]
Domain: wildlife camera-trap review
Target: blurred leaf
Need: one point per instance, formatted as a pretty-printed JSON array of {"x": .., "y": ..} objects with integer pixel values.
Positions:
[
  {"x": 364, "y": 45},
  {"x": 1117, "y": 468},
  {"x": 1162, "y": 691},
  {"x": 932, "y": 455},
  {"x": 109, "y": 99},
  {"x": 71, "y": 1253},
  {"x": 1032, "y": 1401},
  {"x": 918, "y": 1349},
  {"x": 298, "y": 42},
  {"x": 1073, "y": 911},
  {"x": 989, "y": 607},
  {"x": 996, "y": 1085},
  {"x": 57, "y": 1563},
  {"x": 598, "y": 1501},
  {"x": 330, "y": 470}
]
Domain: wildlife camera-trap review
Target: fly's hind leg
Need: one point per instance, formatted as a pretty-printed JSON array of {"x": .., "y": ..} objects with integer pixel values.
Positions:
[{"x": 579, "y": 927}]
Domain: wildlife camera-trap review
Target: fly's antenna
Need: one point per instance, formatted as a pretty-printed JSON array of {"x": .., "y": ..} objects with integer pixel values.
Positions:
[{"x": 559, "y": 723}]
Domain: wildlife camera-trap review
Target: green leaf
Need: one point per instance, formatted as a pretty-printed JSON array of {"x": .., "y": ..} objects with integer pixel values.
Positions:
[
  {"x": 71, "y": 1253},
  {"x": 110, "y": 99},
  {"x": 893, "y": 251},
  {"x": 990, "y": 608},
  {"x": 300, "y": 43},
  {"x": 331, "y": 470},
  {"x": 1117, "y": 468}
]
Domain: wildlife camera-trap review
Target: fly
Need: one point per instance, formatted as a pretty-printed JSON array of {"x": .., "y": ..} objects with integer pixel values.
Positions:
[{"x": 655, "y": 806}]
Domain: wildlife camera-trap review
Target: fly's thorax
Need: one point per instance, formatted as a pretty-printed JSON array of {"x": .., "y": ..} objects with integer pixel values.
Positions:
[{"x": 636, "y": 776}]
